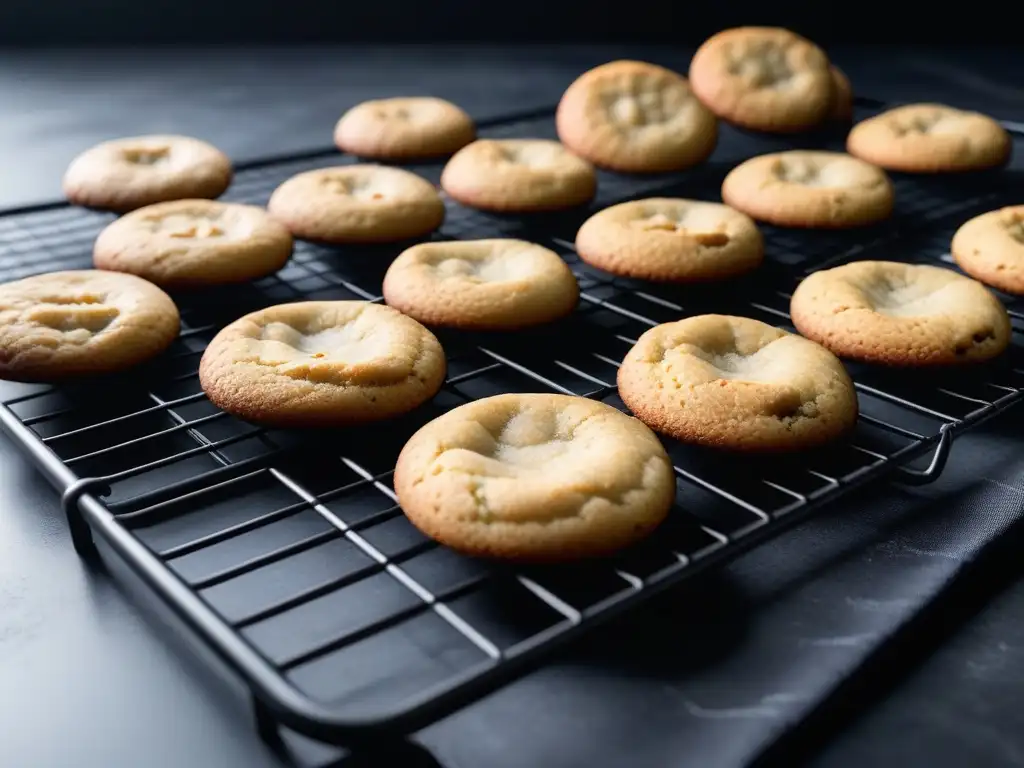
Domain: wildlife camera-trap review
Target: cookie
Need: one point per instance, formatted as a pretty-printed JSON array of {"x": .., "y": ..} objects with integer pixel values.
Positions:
[
  {"x": 65, "y": 325},
  {"x": 194, "y": 243},
  {"x": 322, "y": 364},
  {"x": 481, "y": 284},
  {"x": 404, "y": 129},
  {"x": 671, "y": 240},
  {"x": 763, "y": 78},
  {"x": 125, "y": 174},
  {"x": 737, "y": 384},
  {"x": 930, "y": 138},
  {"x": 990, "y": 248},
  {"x": 635, "y": 117},
  {"x": 900, "y": 315},
  {"x": 535, "y": 477},
  {"x": 825, "y": 190},
  {"x": 518, "y": 176},
  {"x": 842, "y": 97},
  {"x": 357, "y": 204}
]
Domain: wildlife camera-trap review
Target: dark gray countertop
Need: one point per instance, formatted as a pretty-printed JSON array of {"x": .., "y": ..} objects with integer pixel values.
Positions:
[{"x": 87, "y": 680}]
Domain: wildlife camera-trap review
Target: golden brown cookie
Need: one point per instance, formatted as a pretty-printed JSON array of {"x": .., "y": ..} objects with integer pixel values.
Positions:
[
  {"x": 404, "y": 129},
  {"x": 535, "y": 477},
  {"x": 64, "y": 325},
  {"x": 125, "y": 174},
  {"x": 738, "y": 384},
  {"x": 193, "y": 243},
  {"x": 322, "y": 364},
  {"x": 481, "y": 284},
  {"x": 842, "y": 96},
  {"x": 518, "y": 176},
  {"x": 357, "y": 204},
  {"x": 763, "y": 78},
  {"x": 990, "y": 248},
  {"x": 671, "y": 240},
  {"x": 826, "y": 190},
  {"x": 635, "y": 117},
  {"x": 930, "y": 138},
  {"x": 900, "y": 314}
]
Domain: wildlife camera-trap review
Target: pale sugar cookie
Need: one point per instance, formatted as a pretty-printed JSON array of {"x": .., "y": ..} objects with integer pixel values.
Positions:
[
  {"x": 404, "y": 129},
  {"x": 193, "y": 243},
  {"x": 763, "y": 78},
  {"x": 828, "y": 190},
  {"x": 125, "y": 174},
  {"x": 322, "y": 364},
  {"x": 737, "y": 383},
  {"x": 930, "y": 138},
  {"x": 990, "y": 248},
  {"x": 481, "y": 284},
  {"x": 357, "y": 204},
  {"x": 672, "y": 240},
  {"x": 900, "y": 314},
  {"x": 635, "y": 117},
  {"x": 535, "y": 477},
  {"x": 64, "y": 325},
  {"x": 518, "y": 176}
]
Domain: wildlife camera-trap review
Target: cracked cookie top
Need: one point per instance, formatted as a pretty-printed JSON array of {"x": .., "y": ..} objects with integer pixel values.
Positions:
[
  {"x": 494, "y": 284},
  {"x": 900, "y": 314},
  {"x": 124, "y": 174},
  {"x": 635, "y": 117},
  {"x": 404, "y": 128},
  {"x": 802, "y": 188},
  {"x": 322, "y": 364},
  {"x": 76, "y": 323},
  {"x": 737, "y": 383},
  {"x": 671, "y": 240},
  {"x": 930, "y": 138},
  {"x": 191, "y": 243},
  {"x": 357, "y": 204},
  {"x": 538, "y": 477},
  {"x": 764, "y": 78},
  {"x": 990, "y": 248}
]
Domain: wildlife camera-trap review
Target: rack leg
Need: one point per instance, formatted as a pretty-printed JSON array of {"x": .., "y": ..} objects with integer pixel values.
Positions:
[
  {"x": 81, "y": 539},
  {"x": 81, "y": 534},
  {"x": 268, "y": 729},
  {"x": 404, "y": 752}
]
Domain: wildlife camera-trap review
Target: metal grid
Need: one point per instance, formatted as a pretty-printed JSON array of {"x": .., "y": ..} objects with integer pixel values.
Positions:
[{"x": 287, "y": 552}]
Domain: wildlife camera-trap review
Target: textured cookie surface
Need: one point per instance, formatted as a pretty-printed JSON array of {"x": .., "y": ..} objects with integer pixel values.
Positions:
[
  {"x": 322, "y": 364},
  {"x": 738, "y": 384},
  {"x": 900, "y": 314},
  {"x": 535, "y": 477},
  {"x": 671, "y": 239},
  {"x": 518, "y": 175},
  {"x": 190, "y": 243},
  {"x": 990, "y": 248},
  {"x": 357, "y": 204},
  {"x": 68, "y": 324},
  {"x": 810, "y": 189},
  {"x": 125, "y": 174},
  {"x": 635, "y": 117},
  {"x": 404, "y": 129},
  {"x": 763, "y": 78},
  {"x": 930, "y": 138},
  {"x": 481, "y": 284}
]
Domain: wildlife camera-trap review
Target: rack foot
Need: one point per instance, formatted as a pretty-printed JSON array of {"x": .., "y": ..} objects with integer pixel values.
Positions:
[
  {"x": 404, "y": 752},
  {"x": 81, "y": 534}
]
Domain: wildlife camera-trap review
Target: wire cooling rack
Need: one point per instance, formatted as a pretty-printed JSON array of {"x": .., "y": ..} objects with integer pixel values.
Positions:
[{"x": 287, "y": 553}]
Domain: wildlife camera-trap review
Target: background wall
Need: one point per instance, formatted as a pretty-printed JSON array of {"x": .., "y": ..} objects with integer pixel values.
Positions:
[{"x": 684, "y": 22}]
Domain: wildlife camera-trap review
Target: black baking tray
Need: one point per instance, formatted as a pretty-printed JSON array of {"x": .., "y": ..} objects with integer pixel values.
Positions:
[{"x": 287, "y": 554}]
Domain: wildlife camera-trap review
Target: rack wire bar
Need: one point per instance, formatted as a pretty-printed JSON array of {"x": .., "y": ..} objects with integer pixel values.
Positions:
[{"x": 287, "y": 554}]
